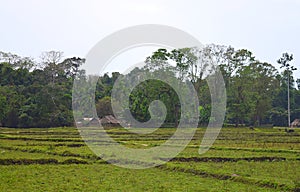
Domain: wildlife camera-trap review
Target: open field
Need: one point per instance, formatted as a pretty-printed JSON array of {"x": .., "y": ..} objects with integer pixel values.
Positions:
[{"x": 241, "y": 159}]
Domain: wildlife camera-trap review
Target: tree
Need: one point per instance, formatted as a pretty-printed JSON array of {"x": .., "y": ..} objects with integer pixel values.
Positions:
[
  {"x": 240, "y": 104},
  {"x": 185, "y": 63},
  {"x": 284, "y": 61},
  {"x": 103, "y": 107},
  {"x": 264, "y": 86},
  {"x": 9, "y": 58},
  {"x": 298, "y": 84},
  {"x": 42, "y": 97},
  {"x": 71, "y": 66},
  {"x": 158, "y": 60},
  {"x": 51, "y": 64},
  {"x": 3, "y": 108}
]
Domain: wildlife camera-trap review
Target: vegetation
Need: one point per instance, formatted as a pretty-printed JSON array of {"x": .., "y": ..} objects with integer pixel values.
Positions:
[
  {"x": 37, "y": 97},
  {"x": 56, "y": 159},
  {"x": 39, "y": 94}
]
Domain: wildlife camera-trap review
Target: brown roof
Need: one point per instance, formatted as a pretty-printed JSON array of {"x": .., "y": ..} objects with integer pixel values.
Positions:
[
  {"x": 109, "y": 119},
  {"x": 296, "y": 123}
]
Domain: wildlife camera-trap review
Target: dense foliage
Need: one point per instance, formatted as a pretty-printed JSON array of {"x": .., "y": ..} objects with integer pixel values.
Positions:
[
  {"x": 33, "y": 96},
  {"x": 39, "y": 94}
]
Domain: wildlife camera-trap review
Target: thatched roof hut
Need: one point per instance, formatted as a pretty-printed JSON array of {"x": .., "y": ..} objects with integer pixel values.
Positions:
[
  {"x": 295, "y": 123},
  {"x": 109, "y": 121},
  {"x": 94, "y": 122}
]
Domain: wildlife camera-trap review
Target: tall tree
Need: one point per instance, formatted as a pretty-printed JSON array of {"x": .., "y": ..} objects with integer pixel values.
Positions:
[
  {"x": 51, "y": 63},
  {"x": 284, "y": 61}
]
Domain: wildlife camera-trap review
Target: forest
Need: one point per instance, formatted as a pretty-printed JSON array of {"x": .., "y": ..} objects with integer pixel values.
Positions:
[{"x": 39, "y": 93}]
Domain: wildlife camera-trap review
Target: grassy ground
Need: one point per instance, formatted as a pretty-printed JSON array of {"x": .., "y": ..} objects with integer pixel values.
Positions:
[{"x": 57, "y": 159}]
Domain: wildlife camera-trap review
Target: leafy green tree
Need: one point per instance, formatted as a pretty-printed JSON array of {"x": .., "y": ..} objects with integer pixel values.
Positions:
[
  {"x": 264, "y": 87},
  {"x": 3, "y": 108},
  {"x": 103, "y": 107}
]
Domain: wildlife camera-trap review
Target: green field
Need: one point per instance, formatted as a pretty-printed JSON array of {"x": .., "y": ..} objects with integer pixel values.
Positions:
[{"x": 241, "y": 159}]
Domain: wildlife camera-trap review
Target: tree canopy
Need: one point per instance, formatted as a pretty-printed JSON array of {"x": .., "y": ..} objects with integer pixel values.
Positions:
[{"x": 39, "y": 94}]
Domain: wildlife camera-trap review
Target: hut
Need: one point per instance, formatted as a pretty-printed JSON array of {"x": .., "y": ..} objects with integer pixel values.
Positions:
[
  {"x": 109, "y": 121},
  {"x": 94, "y": 122},
  {"x": 106, "y": 121},
  {"x": 295, "y": 123}
]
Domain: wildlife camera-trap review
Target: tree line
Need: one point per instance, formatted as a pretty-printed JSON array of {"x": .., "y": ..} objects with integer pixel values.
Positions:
[{"x": 39, "y": 94}]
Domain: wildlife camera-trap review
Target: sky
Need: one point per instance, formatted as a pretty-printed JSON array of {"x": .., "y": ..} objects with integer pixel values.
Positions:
[{"x": 266, "y": 27}]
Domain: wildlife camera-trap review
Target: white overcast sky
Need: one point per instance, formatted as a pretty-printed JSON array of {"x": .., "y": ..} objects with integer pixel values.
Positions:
[{"x": 266, "y": 27}]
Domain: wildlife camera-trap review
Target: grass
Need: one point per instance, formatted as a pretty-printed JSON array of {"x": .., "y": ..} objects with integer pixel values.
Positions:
[
  {"x": 108, "y": 178},
  {"x": 57, "y": 159},
  {"x": 281, "y": 173}
]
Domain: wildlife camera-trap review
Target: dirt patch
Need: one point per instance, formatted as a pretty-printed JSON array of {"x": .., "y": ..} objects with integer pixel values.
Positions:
[
  {"x": 62, "y": 144},
  {"x": 39, "y": 161},
  {"x": 225, "y": 159},
  {"x": 74, "y": 161},
  {"x": 27, "y": 161},
  {"x": 42, "y": 139}
]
